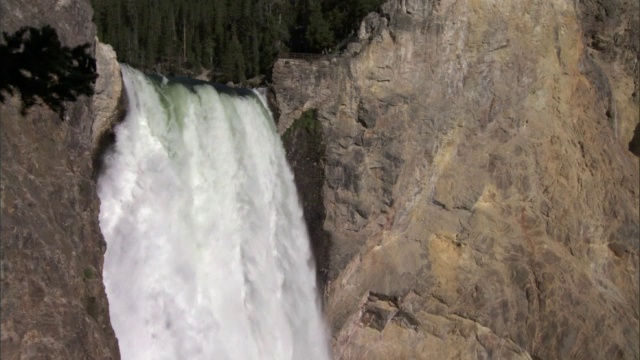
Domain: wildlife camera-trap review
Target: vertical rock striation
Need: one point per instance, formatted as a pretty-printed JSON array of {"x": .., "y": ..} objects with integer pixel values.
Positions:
[
  {"x": 53, "y": 300},
  {"x": 480, "y": 197}
]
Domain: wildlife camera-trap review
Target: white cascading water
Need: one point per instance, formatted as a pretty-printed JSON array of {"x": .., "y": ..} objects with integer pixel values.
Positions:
[{"x": 207, "y": 253}]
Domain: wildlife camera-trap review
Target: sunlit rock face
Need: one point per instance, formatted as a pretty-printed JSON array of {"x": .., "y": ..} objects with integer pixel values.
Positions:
[
  {"x": 479, "y": 194},
  {"x": 53, "y": 301},
  {"x": 108, "y": 102}
]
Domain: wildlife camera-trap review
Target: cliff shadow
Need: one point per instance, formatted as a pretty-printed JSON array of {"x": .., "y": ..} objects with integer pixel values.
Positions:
[{"x": 305, "y": 148}]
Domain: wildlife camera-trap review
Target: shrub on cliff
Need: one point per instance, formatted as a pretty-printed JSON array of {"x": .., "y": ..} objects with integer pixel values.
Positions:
[{"x": 35, "y": 63}]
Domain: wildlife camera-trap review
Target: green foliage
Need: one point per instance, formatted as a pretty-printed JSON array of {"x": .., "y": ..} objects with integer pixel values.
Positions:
[
  {"x": 305, "y": 135},
  {"x": 308, "y": 123},
  {"x": 89, "y": 273},
  {"x": 233, "y": 61},
  {"x": 35, "y": 63},
  {"x": 319, "y": 35},
  {"x": 183, "y": 37}
]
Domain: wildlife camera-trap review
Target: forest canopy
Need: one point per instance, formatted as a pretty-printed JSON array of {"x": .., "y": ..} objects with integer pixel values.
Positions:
[{"x": 237, "y": 39}]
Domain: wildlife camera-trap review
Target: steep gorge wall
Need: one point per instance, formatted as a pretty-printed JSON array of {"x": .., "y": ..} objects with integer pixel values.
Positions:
[
  {"x": 53, "y": 301},
  {"x": 480, "y": 200}
]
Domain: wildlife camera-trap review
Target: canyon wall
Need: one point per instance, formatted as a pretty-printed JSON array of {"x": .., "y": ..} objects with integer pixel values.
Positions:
[
  {"x": 475, "y": 190},
  {"x": 464, "y": 168},
  {"x": 53, "y": 301}
]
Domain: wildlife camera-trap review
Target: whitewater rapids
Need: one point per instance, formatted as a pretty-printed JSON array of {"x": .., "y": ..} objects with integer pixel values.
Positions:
[{"x": 207, "y": 253}]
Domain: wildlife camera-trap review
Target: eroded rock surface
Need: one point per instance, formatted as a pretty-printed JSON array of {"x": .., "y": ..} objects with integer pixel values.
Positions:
[
  {"x": 481, "y": 201},
  {"x": 108, "y": 102},
  {"x": 53, "y": 301}
]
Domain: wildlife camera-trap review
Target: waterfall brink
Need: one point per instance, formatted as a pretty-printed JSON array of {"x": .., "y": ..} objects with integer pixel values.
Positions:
[{"x": 208, "y": 256}]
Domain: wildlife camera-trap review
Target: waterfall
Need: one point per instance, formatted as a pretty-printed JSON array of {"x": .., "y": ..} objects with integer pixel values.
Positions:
[{"x": 207, "y": 253}]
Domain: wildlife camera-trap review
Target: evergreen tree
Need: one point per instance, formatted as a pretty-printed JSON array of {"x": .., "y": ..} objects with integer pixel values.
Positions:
[
  {"x": 233, "y": 61},
  {"x": 183, "y": 36},
  {"x": 319, "y": 35},
  {"x": 153, "y": 34},
  {"x": 254, "y": 57}
]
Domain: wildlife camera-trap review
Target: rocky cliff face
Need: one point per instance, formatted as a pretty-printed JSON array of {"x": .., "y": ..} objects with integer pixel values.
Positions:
[
  {"x": 53, "y": 300},
  {"x": 479, "y": 197}
]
